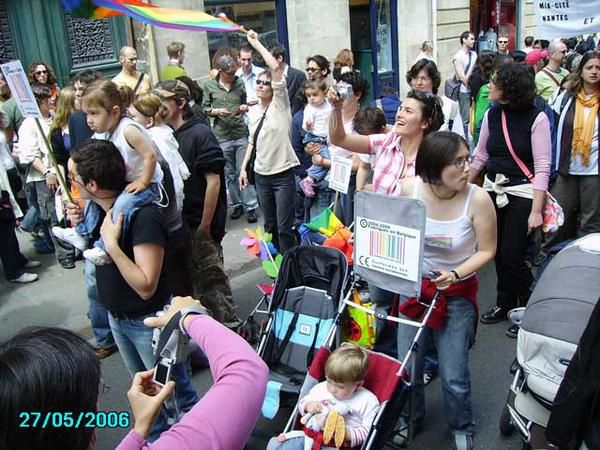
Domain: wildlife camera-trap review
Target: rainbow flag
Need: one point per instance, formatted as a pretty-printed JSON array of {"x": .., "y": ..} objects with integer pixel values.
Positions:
[
  {"x": 325, "y": 223},
  {"x": 86, "y": 9},
  {"x": 179, "y": 19}
]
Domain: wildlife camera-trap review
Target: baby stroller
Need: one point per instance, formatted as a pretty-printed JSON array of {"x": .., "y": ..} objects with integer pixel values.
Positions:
[
  {"x": 551, "y": 326},
  {"x": 384, "y": 378},
  {"x": 302, "y": 315}
]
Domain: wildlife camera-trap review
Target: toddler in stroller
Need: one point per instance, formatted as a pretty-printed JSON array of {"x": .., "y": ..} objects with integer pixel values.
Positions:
[{"x": 341, "y": 395}]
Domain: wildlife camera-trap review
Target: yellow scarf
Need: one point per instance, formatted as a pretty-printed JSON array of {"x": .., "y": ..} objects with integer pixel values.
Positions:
[{"x": 584, "y": 129}]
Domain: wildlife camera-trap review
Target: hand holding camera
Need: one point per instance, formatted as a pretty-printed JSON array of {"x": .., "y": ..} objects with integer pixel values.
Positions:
[{"x": 146, "y": 399}]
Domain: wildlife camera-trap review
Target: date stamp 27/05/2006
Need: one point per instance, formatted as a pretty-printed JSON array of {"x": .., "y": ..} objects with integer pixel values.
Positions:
[{"x": 81, "y": 419}]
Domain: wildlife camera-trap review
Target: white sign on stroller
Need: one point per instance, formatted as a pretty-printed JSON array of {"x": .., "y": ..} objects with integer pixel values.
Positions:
[{"x": 388, "y": 241}]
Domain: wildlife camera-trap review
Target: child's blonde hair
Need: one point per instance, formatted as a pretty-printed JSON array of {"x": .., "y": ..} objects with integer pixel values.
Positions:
[
  {"x": 150, "y": 105},
  {"x": 106, "y": 94},
  {"x": 347, "y": 364},
  {"x": 317, "y": 85}
]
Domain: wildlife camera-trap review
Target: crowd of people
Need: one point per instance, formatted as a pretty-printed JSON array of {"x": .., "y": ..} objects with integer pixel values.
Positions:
[{"x": 152, "y": 170}]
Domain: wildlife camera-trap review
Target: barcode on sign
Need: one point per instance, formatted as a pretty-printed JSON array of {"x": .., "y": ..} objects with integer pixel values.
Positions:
[
  {"x": 340, "y": 172},
  {"x": 387, "y": 246}
]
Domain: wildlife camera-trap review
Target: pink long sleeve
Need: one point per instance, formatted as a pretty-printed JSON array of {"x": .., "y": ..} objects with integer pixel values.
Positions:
[
  {"x": 541, "y": 148},
  {"x": 480, "y": 156},
  {"x": 225, "y": 416}
]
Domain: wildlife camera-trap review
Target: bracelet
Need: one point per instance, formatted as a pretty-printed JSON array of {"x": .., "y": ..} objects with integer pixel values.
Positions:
[{"x": 456, "y": 276}]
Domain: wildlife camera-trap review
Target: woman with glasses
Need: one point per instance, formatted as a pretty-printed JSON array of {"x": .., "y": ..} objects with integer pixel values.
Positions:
[
  {"x": 577, "y": 187},
  {"x": 317, "y": 67},
  {"x": 518, "y": 198},
  {"x": 460, "y": 239},
  {"x": 54, "y": 372},
  {"x": 40, "y": 72},
  {"x": 269, "y": 140},
  {"x": 393, "y": 158}
]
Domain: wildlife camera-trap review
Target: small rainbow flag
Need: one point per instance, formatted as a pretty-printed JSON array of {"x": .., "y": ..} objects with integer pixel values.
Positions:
[
  {"x": 179, "y": 19},
  {"x": 86, "y": 9}
]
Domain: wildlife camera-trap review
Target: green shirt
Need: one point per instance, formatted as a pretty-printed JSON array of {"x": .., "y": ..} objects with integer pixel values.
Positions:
[
  {"x": 216, "y": 96},
  {"x": 170, "y": 72},
  {"x": 545, "y": 85}
]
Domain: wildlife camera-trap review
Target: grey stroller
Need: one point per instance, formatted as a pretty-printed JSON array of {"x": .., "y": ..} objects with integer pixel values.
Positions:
[{"x": 551, "y": 326}]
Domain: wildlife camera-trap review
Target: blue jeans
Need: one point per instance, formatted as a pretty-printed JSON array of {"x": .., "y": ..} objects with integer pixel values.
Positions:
[
  {"x": 97, "y": 312},
  {"x": 452, "y": 342},
  {"x": 126, "y": 203},
  {"x": 134, "y": 340},
  {"x": 318, "y": 173},
  {"x": 296, "y": 443},
  {"x": 276, "y": 195},
  {"x": 234, "y": 152},
  {"x": 464, "y": 106}
]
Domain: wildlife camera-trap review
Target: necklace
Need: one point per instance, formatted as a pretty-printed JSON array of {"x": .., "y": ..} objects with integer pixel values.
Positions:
[{"x": 439, "y": 197}]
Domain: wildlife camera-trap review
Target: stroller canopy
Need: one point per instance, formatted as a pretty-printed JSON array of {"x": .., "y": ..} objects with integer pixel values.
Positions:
[{"x": 563, "y": 300}]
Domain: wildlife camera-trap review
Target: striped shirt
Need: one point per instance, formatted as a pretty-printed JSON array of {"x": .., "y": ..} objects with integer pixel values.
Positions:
[{"x": 388, "y": 163}]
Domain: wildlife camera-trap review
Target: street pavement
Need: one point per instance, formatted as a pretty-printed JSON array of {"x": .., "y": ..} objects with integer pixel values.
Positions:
[{"x": 59, "y": 299}]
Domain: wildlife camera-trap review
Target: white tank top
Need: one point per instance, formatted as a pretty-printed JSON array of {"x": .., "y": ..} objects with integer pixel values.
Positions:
[
  {"x": 448, "y": 243},
  {"x": 134, "y": 162}
]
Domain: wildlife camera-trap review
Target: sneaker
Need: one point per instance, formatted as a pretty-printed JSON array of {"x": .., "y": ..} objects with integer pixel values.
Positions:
[
  {"x": 463, "y": 442},
  {"x": 71, "y": 236},
  {"x": 494, "y": 315},
  {"x": 251, "y": 216},
  {"x": 513, "y": 331},
  {"x": 238, "y": 212},
  {"x": 67, "y": 263},
  {"x": 308, "y": 187},
  {"x": 97, "y": 256},
  {"x": 26, "y": 278},
  {"x": 32, "y": 264}
]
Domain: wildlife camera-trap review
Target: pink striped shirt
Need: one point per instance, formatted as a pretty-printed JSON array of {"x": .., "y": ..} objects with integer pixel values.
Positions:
[{"x": 388, "y": 163}]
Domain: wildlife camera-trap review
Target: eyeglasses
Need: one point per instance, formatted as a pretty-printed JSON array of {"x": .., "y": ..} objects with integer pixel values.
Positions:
[
  {"x": 460, "y": 163},
  {"x": 502, "y": 42},
  {"x": 41, "y": 72},
  {"x": 423, "y": 79},
  {"x": 263, "y": 82},
  {"x": 103, "y": 388},
  {"x": 312, "y": 69}
]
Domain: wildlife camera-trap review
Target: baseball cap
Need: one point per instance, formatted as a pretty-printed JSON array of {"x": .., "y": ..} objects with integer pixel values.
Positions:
[
  {"x": 172, "y": 88},
  {"x": 534, "y": 56},
  {"x": 226, "y": 62}
]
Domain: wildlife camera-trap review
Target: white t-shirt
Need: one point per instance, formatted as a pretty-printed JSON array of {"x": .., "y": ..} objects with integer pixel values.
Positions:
[
  {"x": 319, "y": 116},
  {"x": 362, "y": 406},
  {"x": 463, "y": 58},
  {"x": 335, "y": 151},
  {"x": 134, "y": 162},
  {"x": 576, "y": 166}
]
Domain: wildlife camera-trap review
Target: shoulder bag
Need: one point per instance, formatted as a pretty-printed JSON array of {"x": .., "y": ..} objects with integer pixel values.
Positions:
[
  {"x": 452, "y": 85},
  {"x": 552, "y": 213},
  {"x": 250, "y": 165}
]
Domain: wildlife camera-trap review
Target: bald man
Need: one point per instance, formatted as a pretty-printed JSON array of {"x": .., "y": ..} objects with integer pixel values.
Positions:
[{"x": 129, "y": 75}]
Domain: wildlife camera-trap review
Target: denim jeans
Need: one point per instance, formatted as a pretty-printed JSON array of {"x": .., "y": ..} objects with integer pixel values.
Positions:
[
  {"x": 97, "y": 312},
  {"x": 318, "y": 173},
  {"x": 295, "y": 443},
  {"x": 452, "y": 342},
  {"x": 234, "y": 152},
  {"x": 134, "y": 340},
  {"x": 276, "y": 195},
  {"x": 464, "y": 106},
  {"x": 10, "y": 254},
  {"x": 126, "y": 203}
]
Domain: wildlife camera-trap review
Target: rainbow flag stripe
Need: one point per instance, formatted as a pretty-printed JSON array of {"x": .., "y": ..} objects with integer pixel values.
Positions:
[
  {"x": 86, "y": 9},
  {"x": 179, "y": 19}
]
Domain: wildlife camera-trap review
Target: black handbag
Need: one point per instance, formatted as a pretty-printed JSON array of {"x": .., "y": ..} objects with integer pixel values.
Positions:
[{"x": 250, "y": 166}]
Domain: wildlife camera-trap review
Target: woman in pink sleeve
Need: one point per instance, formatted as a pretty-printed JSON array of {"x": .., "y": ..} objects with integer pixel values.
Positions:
[{"x": 518, "y": 197}]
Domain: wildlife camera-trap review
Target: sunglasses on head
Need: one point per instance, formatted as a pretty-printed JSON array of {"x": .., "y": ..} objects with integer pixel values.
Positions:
[{"x": 263, "y": 82}]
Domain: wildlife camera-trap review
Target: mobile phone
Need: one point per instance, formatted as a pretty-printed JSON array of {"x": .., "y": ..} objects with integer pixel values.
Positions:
[
  {"x": 162, "y": 373},
  {"x": 433, "y": 274}
]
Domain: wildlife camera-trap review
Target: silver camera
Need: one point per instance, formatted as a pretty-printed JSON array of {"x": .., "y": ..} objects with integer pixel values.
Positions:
[
  {"x": 174, "y": 350},
  {"x": 344, "y": 91}
]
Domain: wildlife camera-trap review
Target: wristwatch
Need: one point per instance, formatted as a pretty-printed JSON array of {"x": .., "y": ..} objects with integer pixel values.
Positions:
[{"x": 191, "y": 310}]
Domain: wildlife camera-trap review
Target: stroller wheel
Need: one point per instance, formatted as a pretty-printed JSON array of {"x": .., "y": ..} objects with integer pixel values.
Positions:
[{"x": 507, "y": 427}]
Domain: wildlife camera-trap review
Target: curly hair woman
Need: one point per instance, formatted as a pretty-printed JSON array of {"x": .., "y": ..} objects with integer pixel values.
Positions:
[
  {"x": 40, "y": 72},
  {"x": 518, "y": 199}
]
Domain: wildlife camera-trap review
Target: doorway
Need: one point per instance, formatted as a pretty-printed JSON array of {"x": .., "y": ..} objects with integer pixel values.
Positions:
[{"x": 374, "y": 40}]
